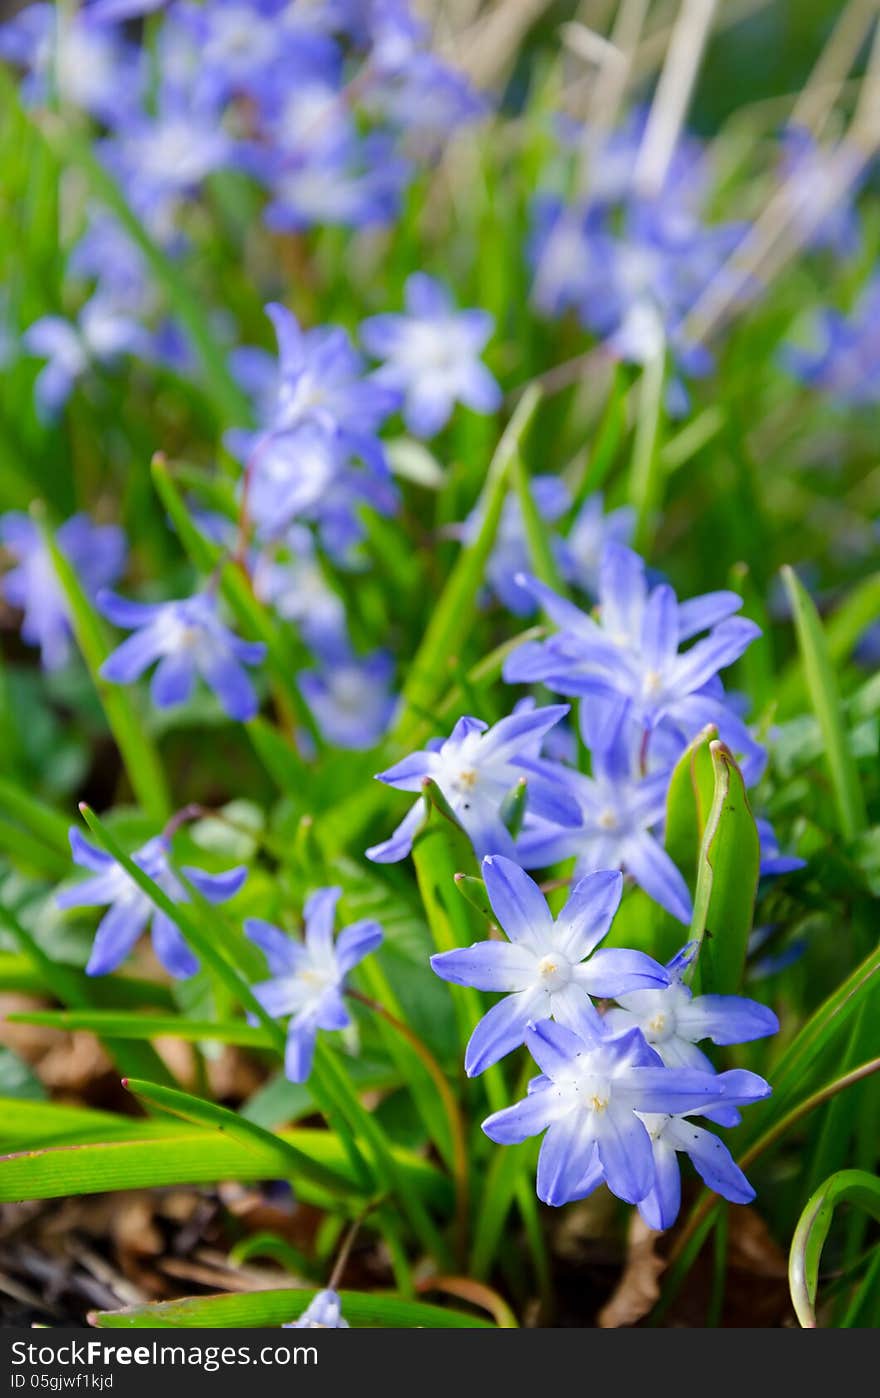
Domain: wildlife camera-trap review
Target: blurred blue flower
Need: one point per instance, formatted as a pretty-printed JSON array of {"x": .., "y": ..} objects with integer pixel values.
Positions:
[
  {"x": 811, "y": 174},
  {"x": 510, "y": 553},
  {"x": 287, "y": 576},
  {"x": 477, "y": 768},
  {"x": 431, "y": 355},
  {"x": 324, "y": 1312},
  {"x": 188, "y": 639},
  {"x": 550, "y": 966},
  {"x": 96, "y": 552},
  {"x": 591, "y": 530},
  {"x": 308, "y": 978},
  {"x": 773, "y": 861},
  {"x": 844, "y": 360},
  {"x": 130, "y": 910},
  {"x": 593, "y": 1090},
  {"x": 628, "y": 662},
  {"x": 350, "y": 696},
  {"x": 103, "y": 330},
  {"x": 87, "y": 63}
]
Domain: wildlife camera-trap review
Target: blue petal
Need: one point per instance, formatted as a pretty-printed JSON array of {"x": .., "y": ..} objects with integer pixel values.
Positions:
[
  {"x": 500, "y": 1031},
  {"x": 355, "y": 942},
  {"x": 410, "y": 772},
  {"x": 624, "y": 1148},
  {"x": 319, "y": 915},
  {"x": 702, "y": 613},
  {"x": 554, "y": 1047},
  {"x": 129, "y": 660},
  {"x": 518, "y": 903},
  {"x": 726, "y": 1019},
  {"x": 300, "y": 1049},
  {"x": 613, "y": 972},
  {"x": 660, "y": 1206},
  {"x": 507, "y": 738},
  {"x": 87, "y": 855},
  {"x": 117, "y": 933},
  {"x": 283, "y": 954},
  {"x": 173, "y": 680},
  {"x": 487, "y": 966},
  {"x": 171, "y": 949},
  {"x": 398, "y": 845},
  {"x": 565, "y": 1157},
  {"x": 589, "y": 913},
  {"x": 655, "y": 872},
  {"x": 713, "y": 1162},
  {"x": 231, "y": 684},
  {"x": 217, "y": 888},
  {"x": 524, "y": 1119}
]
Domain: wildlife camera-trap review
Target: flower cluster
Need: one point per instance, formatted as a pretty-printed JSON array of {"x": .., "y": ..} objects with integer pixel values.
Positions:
[
  {"x": 631, "y": 264},
  {"x": 617, "y": 1090}
]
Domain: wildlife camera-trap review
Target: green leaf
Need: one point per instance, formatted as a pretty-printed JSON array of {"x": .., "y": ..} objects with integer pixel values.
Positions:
[
  {"x": 846, "y": 1186},
  {"x": 47, "y": 825},
  {"x": 825, "y": 700},
  {"x": 475, "y": 891},
  {"x": 452, "y": 617},
  {"x": 727, "y": 880},
  {"x": 138, "y": 1026},
  {"x": 199, "y": 1157},
  {"x": 538, "y": 536},
  {"x": 73, "y": 988},
  {"x": 842, "y": 630},
  {"x": 274, "y": 1308},
  {"x": 646, "y": 473},
  {"x": 688, "y": 803},
  {"x": 93, "y": 638},
  {"x": 291, "y": 1163}
]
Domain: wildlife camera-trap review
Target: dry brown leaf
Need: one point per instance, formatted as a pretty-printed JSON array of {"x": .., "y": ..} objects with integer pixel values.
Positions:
[{"x": 638, "y": 1288}]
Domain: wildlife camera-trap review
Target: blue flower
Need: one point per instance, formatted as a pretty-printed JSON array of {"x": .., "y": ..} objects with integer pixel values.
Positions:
[
  {"x": 590, "y": 533},
  {"x": 324, "y": 1312},
  {"x": 619, "y": 812},
  {"x": 97, "y": 553},
  {"x": 187, "y": 638},
  {"x": 85, "y": 62},
  {"x": 551, "y": 966},
  {"x": 476, "y": 769},
  {"x": 593, "y": 1090},
  {"x": 510, "y": 554},
  {"x": 288, "y": 577},
  {"x": 308, "y": 978},
  {"x": 811, "y": 174},
  {"x": 773, "y": 861},
  {"x": 629, "y": 664},
  {"x": 674, "y": 1021},
  {"x": 103, "y": 331},
  {"x": 353, "y": 183},
  {"x": 322, "y": 414},
  {"x": 130, "y": 911},
  {"x": 431, "y": 356},
  {"x": 844, "y": 360},
  {"x": 350, "y": 697}
]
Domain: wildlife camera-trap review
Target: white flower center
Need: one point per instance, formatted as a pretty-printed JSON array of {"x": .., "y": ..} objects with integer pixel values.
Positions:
[
  {"x": 554, "y": 971},
  {"x": 607, "y": 819},
  {"x": 652, "y": 684}
]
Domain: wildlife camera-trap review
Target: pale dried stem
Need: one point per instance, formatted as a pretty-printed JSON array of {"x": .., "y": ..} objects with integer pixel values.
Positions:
[{"x": 673, "y": 94}]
